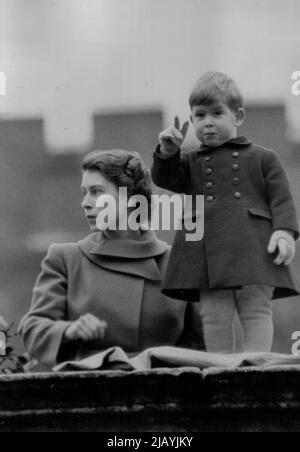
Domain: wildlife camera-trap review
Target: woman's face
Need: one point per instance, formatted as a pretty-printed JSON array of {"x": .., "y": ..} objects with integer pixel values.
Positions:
[{"x": 94, "y": 185}]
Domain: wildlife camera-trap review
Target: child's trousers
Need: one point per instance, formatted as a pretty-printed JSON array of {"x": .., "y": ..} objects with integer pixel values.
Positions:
[{"x": 254, "y": 307}]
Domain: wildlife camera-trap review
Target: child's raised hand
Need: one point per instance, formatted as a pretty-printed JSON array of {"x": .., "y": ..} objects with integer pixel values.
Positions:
[
  {"x": 172, "y": 138},
  {"x": 284, "y": 242},
  {"x": 3, "y": 324}
]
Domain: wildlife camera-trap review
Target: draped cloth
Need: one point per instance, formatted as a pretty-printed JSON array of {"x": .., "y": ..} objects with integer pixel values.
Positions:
[{"x": 172, "y": 357}]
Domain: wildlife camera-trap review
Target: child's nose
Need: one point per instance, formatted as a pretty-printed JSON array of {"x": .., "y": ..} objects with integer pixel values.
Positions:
[{"x": 208, "y": 121}]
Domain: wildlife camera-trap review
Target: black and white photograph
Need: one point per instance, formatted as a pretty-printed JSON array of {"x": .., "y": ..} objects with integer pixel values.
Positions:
[{"x": 149, "y": 218}]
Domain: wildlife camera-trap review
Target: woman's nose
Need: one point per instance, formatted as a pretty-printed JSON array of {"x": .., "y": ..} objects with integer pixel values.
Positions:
[{"x": 87, "y": 202}]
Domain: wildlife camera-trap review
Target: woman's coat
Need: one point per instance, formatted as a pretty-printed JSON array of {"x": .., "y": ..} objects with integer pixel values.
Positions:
[{"x": 119, "y": 281}]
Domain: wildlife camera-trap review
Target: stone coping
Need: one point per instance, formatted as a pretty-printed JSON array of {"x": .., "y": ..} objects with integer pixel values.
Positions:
[{"x": 246, "y": 399}]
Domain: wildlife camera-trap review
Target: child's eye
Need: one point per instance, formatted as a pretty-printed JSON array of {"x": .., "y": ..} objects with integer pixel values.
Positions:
[{"x": 218, "y": 113}]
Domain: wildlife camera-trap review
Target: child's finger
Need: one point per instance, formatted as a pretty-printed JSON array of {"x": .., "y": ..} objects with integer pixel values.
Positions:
[
  {"x": 177, "y": 123},
  {"x": 163, "y": 137},
  {"x": 185, "y": 129},
  {"x": 3, "y": 324},
  {"x": 272, "y": 244},
  {"x": 168, "y": 138},
  {"x": 172, "y": 135},
  {"x": 177, "y": 134},
  {"x": 171, "y": 132},
  {"x": 288, "y": 261},
  {"x": 291, "y": 255},
  {"x": 282, "y": 248}
]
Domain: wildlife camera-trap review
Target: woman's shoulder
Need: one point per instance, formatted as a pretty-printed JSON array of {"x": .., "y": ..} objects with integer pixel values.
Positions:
[
  {"x": 70, "y": 249},
  {"x": 61, "y": 253}
]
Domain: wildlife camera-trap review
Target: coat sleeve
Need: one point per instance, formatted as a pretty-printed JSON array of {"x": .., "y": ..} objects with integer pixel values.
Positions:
[
  {"x": 42, "y": 329},
  {"x": 172, "y": 173},
  {"x": 279, "y": 194},
  {"x": 192, "y": 336}
]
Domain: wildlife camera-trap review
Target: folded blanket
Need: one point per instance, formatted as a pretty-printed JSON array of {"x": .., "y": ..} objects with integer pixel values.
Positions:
[{"x": 172, "y": 357}]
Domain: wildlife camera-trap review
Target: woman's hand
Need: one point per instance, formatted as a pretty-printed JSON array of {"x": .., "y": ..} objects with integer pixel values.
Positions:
[{"x": 86, "y": 328}]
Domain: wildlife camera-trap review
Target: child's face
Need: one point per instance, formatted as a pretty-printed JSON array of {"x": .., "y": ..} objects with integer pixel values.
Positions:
[{"x": 215, "y": 124}]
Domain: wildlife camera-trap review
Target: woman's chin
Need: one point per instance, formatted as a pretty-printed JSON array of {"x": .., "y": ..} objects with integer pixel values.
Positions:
[{"x": 93, "y": 228}]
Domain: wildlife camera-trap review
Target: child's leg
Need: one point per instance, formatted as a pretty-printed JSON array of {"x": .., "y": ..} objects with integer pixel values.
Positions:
[
  {"x": 255, "y": 308},
  {"x": 218, "y": 311}
]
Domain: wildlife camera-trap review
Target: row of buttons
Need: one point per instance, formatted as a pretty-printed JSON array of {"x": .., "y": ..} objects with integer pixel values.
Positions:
[
  {"x": 235, "y": 167},
  {"x": 236, "y": 180},
  {"x": 237, "y": 195},
  {"x": 208, "y": 158}
]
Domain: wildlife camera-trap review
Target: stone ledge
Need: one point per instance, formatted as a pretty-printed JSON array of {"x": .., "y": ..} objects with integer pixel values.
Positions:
[{"x": 247, "y": 399}]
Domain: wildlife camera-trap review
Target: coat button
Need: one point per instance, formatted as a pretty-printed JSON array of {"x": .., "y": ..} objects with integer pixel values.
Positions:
[
  {"x": 210, "y": 198},
  {"x": 235, "y": 154},
  {"x": 235, "y": 167},
  {"x": 209, "y": 185},
  {"x": 238, "y": 195},
  {"x": 209, "y": 171},
  {"x": 236, "y": 181}
]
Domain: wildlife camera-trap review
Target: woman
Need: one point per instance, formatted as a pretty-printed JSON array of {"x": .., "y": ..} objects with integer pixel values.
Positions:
[{"x": 104, "y": 291}]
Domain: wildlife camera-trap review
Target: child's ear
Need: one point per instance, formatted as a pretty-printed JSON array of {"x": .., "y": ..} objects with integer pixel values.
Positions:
[
  {"x": 240, "y": 117},
  {"x": 191, "y": 119}
]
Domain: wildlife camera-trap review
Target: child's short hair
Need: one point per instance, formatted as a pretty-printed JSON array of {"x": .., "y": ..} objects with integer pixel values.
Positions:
[{"x": 216, "y": 86}]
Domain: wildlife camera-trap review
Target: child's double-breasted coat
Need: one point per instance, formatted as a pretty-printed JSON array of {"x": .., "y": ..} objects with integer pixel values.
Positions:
[{"x": 247, "y": 197}]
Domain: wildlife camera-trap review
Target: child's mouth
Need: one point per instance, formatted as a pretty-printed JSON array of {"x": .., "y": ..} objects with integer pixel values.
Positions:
[{"x": 210, "y": 135}]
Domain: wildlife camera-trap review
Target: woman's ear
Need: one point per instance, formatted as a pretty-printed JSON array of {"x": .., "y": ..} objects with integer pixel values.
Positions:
[{"x": 240, "y": 117}]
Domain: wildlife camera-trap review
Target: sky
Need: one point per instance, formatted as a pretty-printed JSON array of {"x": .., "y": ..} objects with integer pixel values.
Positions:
[{"x": 67, "y": 59}]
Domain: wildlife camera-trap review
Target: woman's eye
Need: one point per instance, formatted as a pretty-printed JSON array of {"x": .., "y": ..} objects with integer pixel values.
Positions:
[{"x": 97, "y": 192}]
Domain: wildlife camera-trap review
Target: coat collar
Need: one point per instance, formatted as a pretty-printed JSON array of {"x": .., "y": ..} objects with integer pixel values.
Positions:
[
  {"x": 147, "y": 246},
  {"x": 134, "y": 257},
  {"x": 239, "y": 142}
]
